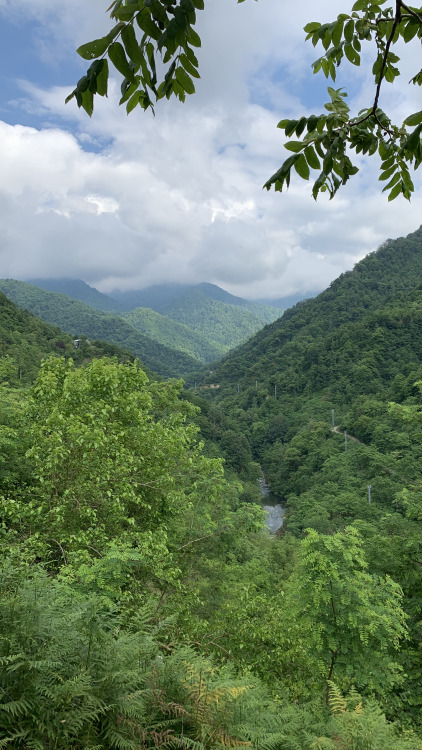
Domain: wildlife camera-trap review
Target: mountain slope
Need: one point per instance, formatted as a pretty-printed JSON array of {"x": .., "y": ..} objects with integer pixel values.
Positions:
[
  {"x": 263, "y": 311},
  {"x": 227, "y": 325},
  {"x": 157, "y": 297},
  {"x": 77, "y": 289},
  {"x": 27, "y": 339},
  {"x": 396, "y": 267},
  {"x": 163, "y": 297},
  {"x": 173, "y": 334},
  {"x": 79, "y": 319}
]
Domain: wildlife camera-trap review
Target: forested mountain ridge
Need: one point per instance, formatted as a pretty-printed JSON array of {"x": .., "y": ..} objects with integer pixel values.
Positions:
[
  {"x": 395, "y": 267},
  {"x": 201, "y": 322},
  {"x": 79, "y": 290},
  {"x": 176, "y": 335},
  {"x": 26, "y": 339},
  {"x": 79, "y": 319},
  {"x": 161, "y": 297},
  {"x": 225, "y": 324}
]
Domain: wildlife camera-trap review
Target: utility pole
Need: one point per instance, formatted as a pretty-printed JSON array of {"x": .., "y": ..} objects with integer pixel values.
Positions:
[
  {"x": 256, "y": 384},
  {"x": 369, "y": 493},
  {"x": 275, "y": 392},
  {"x": 238, "y": 387},
  {"x": 332, "y": 417},
  {"x": 345, "y": 440}
]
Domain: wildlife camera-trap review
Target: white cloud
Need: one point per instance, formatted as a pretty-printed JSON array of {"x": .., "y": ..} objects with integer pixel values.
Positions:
[{"x": 179, "y": 197}]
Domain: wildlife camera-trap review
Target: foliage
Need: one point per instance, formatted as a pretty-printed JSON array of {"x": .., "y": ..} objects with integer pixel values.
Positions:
[
  {"x": 353, "y": 620},
  {"x": 111, "y": 458},
  {"x": 328, "y": 137},
  {"x": 360, "y": 726},
  {"x": 170, "y": 332},
  {"x": 153, "y": 40},
  {"x": 80, "y": 320},
  {"x": 74, "y": 677}
]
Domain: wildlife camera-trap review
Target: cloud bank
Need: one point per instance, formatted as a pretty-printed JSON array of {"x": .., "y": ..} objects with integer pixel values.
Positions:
[{"x": 127, "y": 202}]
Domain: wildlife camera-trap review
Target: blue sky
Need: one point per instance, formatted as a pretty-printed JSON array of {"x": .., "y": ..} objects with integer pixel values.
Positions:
[{"x": 126, "y": 202}]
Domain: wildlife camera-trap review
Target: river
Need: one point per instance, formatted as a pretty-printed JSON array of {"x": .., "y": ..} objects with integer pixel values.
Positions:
[{"x": 271, "y": 504}]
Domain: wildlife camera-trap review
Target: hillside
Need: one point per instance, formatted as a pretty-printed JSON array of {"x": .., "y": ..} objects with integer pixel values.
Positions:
[
  {"x": 281, "y": 348},
  {"x": 173, "y": 334},
  {"x": 26, "y": 340},
  {"x": 79, "y": 290},
  {"x": 227, "y": 325},
  {"x": 184, "y": 297},
  {"x": 209, "y": 329},
  {"x": 78, "y": 319}
]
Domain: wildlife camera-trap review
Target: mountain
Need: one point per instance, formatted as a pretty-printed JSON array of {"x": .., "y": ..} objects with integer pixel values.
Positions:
[
  {"x": 166, "y": 297},
  {"x": 283, "y": 348},
  {"x": 283, "y": 303},
  {"x": 173, "y": 334},
  {"x": 157, "y": 297},
  {"x": 227, "y": 325},
  {"x": 79, "y": 290},
  {"x": 213, "y": 321},
  {"x": 25, "y": 340},
  {"x": 78, "y": 319},
  {"x": 347, "y": 352}
]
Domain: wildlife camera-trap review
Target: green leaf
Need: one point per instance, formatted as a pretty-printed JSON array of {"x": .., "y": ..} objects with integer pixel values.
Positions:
[
  {"x": 88, "y": 102},
  {"x": 414, "y": 119},
  {"x": 312, "y": 123},
  {"x": 395, "y": 192},
  {"x": 192, "y": 57},
  {"x": 130, "y": 42},
  {"x": 290, "y": 127},
  {"x": 184, "y": 60},
  {"x": 349, "y": 31},
  {"x": 133, "y": 102},
  {"x": 147, "y": 25},
  {"x": 194, "y": 38},
  {"x": 351, "y": 54},
  {"x": 337, "y": 33},
  {"x": 295, "y": 146},
  {"x": 102, "y": 78},
  {"x": 126, "y": 12},
  {"x": 117, "y": 56},
  {"x": 312, "y": 158},
  {"x": 387, "y": 174},
  {"x": 302, "y": 168},
  {"x": 184, "y": 80},
  {"x": 300, "y": 127},
  {"x": 392, "y": 182},
  {"x": 414, "y": 139},
  {"x": 310, "y": 27},
  {"x": 93, "y": 49}
]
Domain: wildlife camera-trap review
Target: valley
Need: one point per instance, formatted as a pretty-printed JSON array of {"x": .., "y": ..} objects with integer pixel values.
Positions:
[{"x": 134, "y": 545}]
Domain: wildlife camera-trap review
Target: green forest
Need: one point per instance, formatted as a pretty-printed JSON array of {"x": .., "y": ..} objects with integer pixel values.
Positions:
[
  {"x": 143, "y": 602},
  {"x": 186, "y": 327}
]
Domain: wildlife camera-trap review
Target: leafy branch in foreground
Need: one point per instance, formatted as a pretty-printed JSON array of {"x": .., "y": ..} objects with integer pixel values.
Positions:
[
  {"x": 155, "y": 39},
  {"x": 327, "y": 138},
  {"x": 166, "y": 32}
]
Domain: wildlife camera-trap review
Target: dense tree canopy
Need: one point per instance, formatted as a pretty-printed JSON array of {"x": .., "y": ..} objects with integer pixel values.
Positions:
[{"x": 152, "y": 42}]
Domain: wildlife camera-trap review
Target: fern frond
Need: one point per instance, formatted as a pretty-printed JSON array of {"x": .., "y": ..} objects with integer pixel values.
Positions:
[{"x": 338, "y": 703}]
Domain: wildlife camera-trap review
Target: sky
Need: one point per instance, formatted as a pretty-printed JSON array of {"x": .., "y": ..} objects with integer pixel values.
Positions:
[{"x": 126, "y": 202}]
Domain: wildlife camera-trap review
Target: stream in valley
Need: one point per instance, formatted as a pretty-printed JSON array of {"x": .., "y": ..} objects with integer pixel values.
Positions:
[{"x": 272, "y": 505}]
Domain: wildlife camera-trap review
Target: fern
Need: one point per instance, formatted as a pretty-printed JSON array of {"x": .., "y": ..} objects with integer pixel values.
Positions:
[{"x": 337, "y": 703}]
